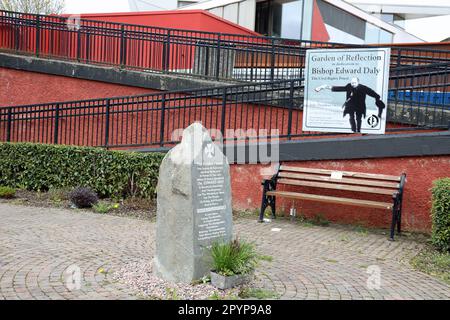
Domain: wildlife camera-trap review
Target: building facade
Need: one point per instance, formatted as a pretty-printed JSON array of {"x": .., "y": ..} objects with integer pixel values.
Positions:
[{"x": 319, "y": 20}]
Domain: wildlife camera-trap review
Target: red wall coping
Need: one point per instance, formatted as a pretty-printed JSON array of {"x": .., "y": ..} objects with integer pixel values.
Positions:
[{"x": 192, "y": 24}]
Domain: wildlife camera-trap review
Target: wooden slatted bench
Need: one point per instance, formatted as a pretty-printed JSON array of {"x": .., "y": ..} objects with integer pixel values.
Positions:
[{"x": 362, "y": 183}]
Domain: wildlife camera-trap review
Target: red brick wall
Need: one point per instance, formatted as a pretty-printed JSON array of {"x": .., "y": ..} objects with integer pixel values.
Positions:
[
  {"x": 421, "y": 172},
  {"x": 23, "y": 87}
]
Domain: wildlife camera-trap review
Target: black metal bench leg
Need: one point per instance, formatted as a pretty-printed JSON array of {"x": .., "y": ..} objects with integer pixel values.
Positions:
[
  {"x": 394, "y": 219},
  {"x": 263, "y": 208},
  {"x": 264, "y": 201},
  {"x": 273, "y": 206},
  {"x": 399, "y": 219}
]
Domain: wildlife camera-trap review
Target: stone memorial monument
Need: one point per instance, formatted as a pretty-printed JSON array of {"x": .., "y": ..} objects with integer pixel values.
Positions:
[{"x": 193, "y": 207}]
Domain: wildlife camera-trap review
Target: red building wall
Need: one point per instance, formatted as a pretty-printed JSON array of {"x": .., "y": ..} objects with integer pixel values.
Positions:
[{"x": 199, "y": 20}]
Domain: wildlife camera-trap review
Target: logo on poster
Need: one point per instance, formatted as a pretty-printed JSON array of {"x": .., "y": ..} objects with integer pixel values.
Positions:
[{"x": 373, "y": 121}]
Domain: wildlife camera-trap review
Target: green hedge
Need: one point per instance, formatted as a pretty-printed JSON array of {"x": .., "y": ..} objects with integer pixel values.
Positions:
[
  {"x": 441, "y": 214},
  {"x": 40, "y": 167}
]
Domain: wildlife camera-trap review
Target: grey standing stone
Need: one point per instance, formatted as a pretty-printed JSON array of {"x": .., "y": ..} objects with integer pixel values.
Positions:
[{"x": 193, "y": 207}]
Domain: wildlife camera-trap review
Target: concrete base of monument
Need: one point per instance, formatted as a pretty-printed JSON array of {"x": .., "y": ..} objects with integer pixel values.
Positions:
[{"x": 227, "y": 282}]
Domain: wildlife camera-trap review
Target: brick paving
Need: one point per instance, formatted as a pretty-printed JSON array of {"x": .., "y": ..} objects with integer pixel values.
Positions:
[{"x": 39, "y": 246}]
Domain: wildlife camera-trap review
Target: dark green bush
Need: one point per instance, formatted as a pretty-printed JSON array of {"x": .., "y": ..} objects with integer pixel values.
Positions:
[
  {"x": 441, "y": 214},
  {"x": 7, "y": 192},
  {"x": 40, "y": 167}
]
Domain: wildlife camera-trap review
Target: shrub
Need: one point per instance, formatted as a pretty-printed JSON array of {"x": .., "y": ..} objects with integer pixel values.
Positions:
[
  {"x": 236, "y": 257},
  {"x": 83, "y": 197},
  {"x": 40, "y": 167},
  {"x": 7, "y": 192},
  {"x": 440, "y": 236}
]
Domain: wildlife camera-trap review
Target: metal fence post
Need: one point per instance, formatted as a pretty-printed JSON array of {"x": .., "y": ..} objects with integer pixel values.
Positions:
[
  {"x": 224, "y": 105},
  {"x": 123, "y": 46},
  {"x": 79, "y": 45},
  {"x": 163, "y": 115},
  {"x": 166, "y": 53},
  {"x": 399, "y": 57},
  {"x": 107, "y": 123},
  {"x": 396, "y": 82},
  {"x": 291, "y": 105},
  {"x": 87, "y": 49},
  {"x": 252, "y": 64},
  {"x": 8, "y": 127},
  {"x": 56, "y": 129},
  {"x": 272, "y": 62},
  {"x": 16, "y": 38},
  {"x": 218, "y": 56},
  {"x": 444, "y": 93},
  {"x": 38, "y": 35}
]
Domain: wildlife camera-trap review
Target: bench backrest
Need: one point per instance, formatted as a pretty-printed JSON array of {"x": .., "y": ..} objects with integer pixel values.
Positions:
[{"x": 340, "y": 180}]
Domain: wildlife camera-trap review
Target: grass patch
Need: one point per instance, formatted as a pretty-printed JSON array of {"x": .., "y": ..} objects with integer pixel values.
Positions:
[
  {"x": 320, "y": 220},
  {"x": 172, "y": 294},
  {"x": 236, "y": 257},
  {"x": 362, "y": 230},
  {"x": 204, "y": 280},
  {"x": 306, "y": 223},
  {"x": 258, "y": 293},
  {"x": 265, "y": 258},
  {"x": 58, "y": 196},
  {"x": 7, "y": 192},
  {"x": 246, "y": 214},
  {"x": 331, "y": 261},
  {"x": 218, "y": 296},
  {"x": 434, "y": 263},
  {"x": 104, "y": 207}
]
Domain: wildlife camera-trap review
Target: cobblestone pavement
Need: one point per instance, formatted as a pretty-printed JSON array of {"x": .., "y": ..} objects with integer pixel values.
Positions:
[{"x": 39, "y": 248}]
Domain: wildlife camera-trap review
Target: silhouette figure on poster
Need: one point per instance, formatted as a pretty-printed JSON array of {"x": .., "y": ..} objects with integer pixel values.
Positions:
[{"x": 355, "y": 104}]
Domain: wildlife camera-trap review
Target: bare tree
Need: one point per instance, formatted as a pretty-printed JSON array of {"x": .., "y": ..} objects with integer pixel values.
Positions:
[{"x": 33, "y": 6}]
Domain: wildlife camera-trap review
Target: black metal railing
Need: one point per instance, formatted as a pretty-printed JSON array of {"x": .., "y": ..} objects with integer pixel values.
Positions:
[
  {"x": 194, "y": 53},
  {"x": 240, "y": 112},
  {"x": 420, "y": 94}
]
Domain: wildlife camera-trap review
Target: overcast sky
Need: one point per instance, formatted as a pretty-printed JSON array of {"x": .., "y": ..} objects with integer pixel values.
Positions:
[
  {"x": 429, "y": 29},
  {"x": 91, "y": 6}
]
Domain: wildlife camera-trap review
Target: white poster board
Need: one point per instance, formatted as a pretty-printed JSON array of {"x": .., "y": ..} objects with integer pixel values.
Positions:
[{"x": 346, "y": 90}]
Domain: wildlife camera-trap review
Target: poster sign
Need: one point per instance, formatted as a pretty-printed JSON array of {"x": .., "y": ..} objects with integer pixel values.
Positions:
[{"x": 346, "y": 90}]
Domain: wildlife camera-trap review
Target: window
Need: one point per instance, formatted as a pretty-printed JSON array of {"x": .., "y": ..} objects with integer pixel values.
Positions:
[
  {"x": 342, "y": 20},
  {"x": 375, "y": 34},
  {"x": 291, "y": 19},
  {"x": 262, "y": 17},
  {"x": 279, "y": 18}
]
